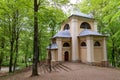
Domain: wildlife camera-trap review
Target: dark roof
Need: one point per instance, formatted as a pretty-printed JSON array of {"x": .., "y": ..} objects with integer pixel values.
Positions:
[
  {"x": 52, "y": 46},
  {"x": 80, "y": 14},
  {"x": 64, "y": 34},
  {"x": 87, "y": 32}
]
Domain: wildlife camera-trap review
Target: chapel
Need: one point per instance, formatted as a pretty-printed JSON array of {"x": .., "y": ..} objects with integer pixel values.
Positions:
[{"x": 79, "y": 41}]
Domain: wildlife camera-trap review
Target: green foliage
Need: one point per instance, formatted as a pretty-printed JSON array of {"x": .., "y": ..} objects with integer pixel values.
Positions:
[
  {"x": 106, "y": 12},
  {"x": 5, "y": 64}
]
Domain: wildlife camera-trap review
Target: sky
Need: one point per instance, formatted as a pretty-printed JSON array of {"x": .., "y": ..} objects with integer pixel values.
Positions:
[
  {"x": 74, "y": 1},
  {"x": 67, "y": 8}
]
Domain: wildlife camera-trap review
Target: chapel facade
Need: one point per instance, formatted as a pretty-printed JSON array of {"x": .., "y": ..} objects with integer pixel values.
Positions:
[{"x": 79, "y": 41}]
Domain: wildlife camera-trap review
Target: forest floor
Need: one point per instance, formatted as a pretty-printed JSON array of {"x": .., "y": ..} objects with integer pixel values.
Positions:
[{"x": 68, "y": 71}]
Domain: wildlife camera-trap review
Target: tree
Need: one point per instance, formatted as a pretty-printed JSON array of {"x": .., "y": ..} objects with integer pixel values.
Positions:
[
  {"x": 35, "y": 50},
  {"x": 2, "y": 47}
]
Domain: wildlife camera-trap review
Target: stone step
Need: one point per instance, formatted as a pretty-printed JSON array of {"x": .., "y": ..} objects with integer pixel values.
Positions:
[{"x": 55, "y": 68}]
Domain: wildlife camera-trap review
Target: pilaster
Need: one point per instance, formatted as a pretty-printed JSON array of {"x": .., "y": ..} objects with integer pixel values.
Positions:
[
  {"x": 74, "y": 34},
  {"x": 59, "y": 42},
  {"x": 90, "y": 49},
  {"x": 104, "y": 49},
  {"x": 95, "y": 26},
  {"x": 53, "y": 56}
]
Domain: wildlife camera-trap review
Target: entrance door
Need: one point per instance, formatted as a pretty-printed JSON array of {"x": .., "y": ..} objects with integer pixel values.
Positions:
[{"x": 66, "y": 56}]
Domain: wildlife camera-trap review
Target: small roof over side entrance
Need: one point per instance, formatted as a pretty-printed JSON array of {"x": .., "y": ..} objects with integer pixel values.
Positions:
[{"x": 52, "y": 46}]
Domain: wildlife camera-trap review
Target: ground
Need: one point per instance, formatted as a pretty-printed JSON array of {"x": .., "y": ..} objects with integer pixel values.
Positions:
[{"x": 73, "y": 71}]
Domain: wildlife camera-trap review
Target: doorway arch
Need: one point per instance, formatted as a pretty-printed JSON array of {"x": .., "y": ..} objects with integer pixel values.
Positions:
[{"x": 66, "y": 56}]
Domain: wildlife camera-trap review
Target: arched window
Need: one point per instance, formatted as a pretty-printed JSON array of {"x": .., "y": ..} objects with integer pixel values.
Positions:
[
  {"x": 66, "y": 27},
  {"x": 66, "y": 45},
  {"x": 85, "y": 25},
  {"x": 83, "y": 44},
  {"x": 97, "y": 43}
]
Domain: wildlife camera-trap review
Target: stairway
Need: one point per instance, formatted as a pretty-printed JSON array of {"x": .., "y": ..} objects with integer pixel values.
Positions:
[{"x": 58, "y": 67}]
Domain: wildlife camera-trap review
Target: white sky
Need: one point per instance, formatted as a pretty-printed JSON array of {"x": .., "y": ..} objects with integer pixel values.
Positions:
[
  {"x": 67, "y": 8},
  {"x": 74, "y": 1}
]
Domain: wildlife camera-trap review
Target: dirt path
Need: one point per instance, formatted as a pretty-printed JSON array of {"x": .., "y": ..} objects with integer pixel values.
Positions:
[{"x": 77, "y": 71}]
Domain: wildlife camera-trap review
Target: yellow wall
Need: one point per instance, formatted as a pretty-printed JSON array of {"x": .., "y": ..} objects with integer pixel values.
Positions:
[
  {"x": 98, "y": 54},
  {"x": 82, "y": 50},
  {"x": 56, "y": 55},
  {"x": 83, "y": 54},
  {"x": 98, "y": 50}
]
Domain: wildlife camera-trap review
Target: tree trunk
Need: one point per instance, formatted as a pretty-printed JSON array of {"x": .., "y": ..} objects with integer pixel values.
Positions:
[
  {"x": 35, "y": 45},
  {"x": 113, "y": 55},
  {"x": 11, "y": 57},
  {"x": 12, "y": 40},
  {"x": 2, "y": 53},
  {"x": 17, "y": 31},
  {"x": 0, "y": 63},
  {"x": 49, "y": 59},
  {"x": 26, "y": 54},
  {"x": 40, "y": 58},
  {"x": 16, "y": 56}
]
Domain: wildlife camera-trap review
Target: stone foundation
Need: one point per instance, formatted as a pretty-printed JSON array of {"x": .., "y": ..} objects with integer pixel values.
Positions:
[
  {"x": 96, "y": 64},
  {"x": 76, "y": 61},
  {"x": 105, "y": 64},
  {"x": 102, "y": 64}
]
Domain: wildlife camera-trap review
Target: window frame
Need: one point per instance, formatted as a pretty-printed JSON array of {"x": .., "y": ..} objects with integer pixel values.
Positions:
[
  {"x": 66, "y": 27},
  {"x": 85, "y": 25},
  {"x": 66, "y": 44},
  {"x": 83, "y": 44},
  {"x": 97, "y": 44}
]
